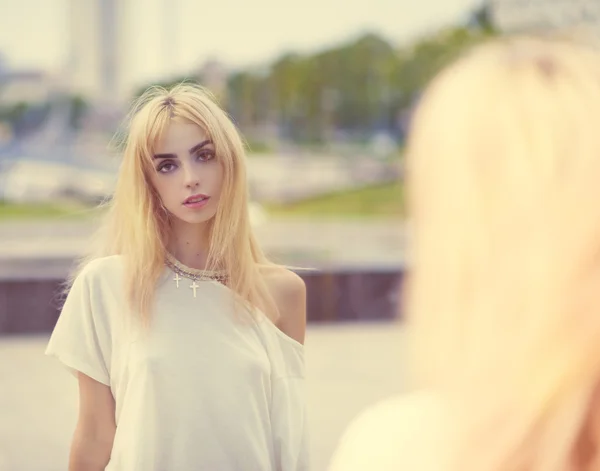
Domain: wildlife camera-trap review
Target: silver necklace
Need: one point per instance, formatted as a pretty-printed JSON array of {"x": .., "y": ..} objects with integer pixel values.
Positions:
[{"x": 193, "y": 274}]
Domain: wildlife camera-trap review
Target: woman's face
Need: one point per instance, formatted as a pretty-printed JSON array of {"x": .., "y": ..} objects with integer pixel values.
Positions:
[{"x": 188, "y": 177}]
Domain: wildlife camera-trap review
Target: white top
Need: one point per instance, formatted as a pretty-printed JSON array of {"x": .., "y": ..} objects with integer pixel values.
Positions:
[
  {"x": 401, "y": 433},
  {"x": 202, "y": 390}
]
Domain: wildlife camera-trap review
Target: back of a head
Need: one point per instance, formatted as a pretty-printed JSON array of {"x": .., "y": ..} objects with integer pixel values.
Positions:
[{"x": 503, "y": 299}]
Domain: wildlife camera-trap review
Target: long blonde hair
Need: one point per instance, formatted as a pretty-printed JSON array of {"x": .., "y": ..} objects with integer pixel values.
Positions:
[
  {"x": 135, "y": 225},
  {"x": 503, "y": 297}
]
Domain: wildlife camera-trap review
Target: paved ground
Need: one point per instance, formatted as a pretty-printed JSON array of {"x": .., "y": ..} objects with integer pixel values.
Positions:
[
  {"x": 286, "y": 177},
  {"x": 349, "y": 367},
  {"x": 354, "y": 243}
]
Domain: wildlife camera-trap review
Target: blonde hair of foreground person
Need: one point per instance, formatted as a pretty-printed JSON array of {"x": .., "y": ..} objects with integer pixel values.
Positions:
[
  {"x": 137, "y": 226},
  {"x": 504, "y": 294}
]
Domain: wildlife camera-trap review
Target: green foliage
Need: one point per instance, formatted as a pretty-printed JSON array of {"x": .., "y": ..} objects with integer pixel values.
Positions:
[
  {"x": 13, "y": 112},
  {"x": 385, "y": 200},
  {"x": 26, "y": 115},
  {"x": 481, "y": 18},
  {"x": 360, "y": 87},
  {"x": 258, "y": 147},
  {"x": 79, "y": 108},
  {"x": 18, "y": 211}
]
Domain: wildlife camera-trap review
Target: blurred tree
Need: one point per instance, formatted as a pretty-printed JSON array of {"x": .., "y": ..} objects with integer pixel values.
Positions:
[
  {"x": 166, "y": 84},
  {"x": 482, "y": 18},
  {"x": 358, "y": 88},
  {"x": 23, "y": 117},
  {"x": 79, "y": 108},
  {"x": 11, "y": 113},
  {"x": 243, "y": 93}
]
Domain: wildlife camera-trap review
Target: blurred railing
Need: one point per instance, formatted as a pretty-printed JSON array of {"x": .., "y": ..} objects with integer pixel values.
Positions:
[{"x": 30, "y": 294}]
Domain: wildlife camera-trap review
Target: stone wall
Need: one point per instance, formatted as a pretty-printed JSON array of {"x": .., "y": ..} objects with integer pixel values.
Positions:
[{"x": 30, "y": 294}]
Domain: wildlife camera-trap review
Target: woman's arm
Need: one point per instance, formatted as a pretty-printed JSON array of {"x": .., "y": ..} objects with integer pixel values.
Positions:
[{"x": 95, "y": 431}]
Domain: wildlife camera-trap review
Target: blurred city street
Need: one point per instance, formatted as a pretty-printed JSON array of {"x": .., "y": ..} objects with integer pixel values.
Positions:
[
  {"x": 349, "y": 366},
  {"x": 325, "y": 114}
]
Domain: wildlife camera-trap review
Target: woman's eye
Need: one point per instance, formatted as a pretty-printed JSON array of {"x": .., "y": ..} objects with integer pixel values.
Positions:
[
  {"x": 204, "y": 156},
  {"x": 166, "y": 167}
]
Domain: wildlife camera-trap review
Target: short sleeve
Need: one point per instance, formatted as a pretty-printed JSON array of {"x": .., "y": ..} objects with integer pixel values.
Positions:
[{"x": 81, "y": 337}]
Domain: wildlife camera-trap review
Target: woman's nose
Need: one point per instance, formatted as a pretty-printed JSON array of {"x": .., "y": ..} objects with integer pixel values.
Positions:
[{"x": 192, "y": 179}]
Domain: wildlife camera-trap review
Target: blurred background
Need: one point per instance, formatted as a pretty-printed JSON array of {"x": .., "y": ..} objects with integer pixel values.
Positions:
[{"x": 323, "y": 91}]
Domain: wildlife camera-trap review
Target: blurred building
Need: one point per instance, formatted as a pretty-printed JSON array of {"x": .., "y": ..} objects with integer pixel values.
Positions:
[
  {"x": 20, "y": 86},
  {"x": 547, "y": 16},
  {"x": 17, "y": 86},
  {"x": 27, "y": 180},
  {"x": 213, "y": 75},
  {"x": 98, "y": 53},
  {"x": 3, "y": 64}
]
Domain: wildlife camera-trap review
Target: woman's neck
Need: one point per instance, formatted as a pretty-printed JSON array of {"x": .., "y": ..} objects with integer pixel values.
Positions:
[{"x": 189, "y": 244}]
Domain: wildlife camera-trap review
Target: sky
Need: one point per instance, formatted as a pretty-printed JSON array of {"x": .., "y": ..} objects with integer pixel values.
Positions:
[{"x": 34, "y": 33}]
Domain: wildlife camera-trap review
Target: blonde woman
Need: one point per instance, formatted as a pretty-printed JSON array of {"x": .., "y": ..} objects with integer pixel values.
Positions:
[
  {"x": 187, "y": 341},
  {"x": 504, "y": 294}
]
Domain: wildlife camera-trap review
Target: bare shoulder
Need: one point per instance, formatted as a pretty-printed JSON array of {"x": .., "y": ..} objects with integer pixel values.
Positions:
[
  {"x": 289, "y": 293},
  {"x": 283, "y": 282}
]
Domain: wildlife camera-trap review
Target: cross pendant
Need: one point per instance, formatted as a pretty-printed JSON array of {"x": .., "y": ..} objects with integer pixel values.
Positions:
[
  {"x": 177, "y": 279},
  {"x": 194, "y": 286}
]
